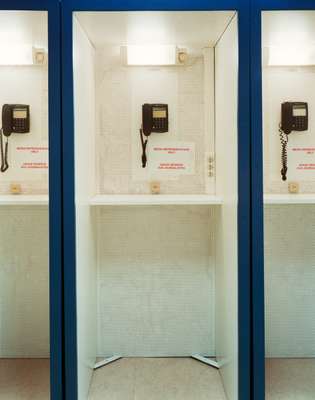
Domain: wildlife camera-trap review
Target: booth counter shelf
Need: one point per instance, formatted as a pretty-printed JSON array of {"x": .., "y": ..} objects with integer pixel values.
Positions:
[
  {"x": 119, "y": 200},
  {"x": 24, "y": 200},
  {"x": 289, "y": 198},
  {"x": 147, "y": 199}
]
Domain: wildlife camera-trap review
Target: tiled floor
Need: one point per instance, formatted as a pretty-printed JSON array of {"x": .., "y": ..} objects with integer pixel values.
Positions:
[
  {"x": 156, "y": 379},
  {"x": 290, "y": 379},
  {"x": 24, "y": 379}
]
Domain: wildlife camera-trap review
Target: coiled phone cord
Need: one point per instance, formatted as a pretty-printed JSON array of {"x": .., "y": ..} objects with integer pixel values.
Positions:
[
  {"x": 144, "y": 146},
  {"x": 284, "y": 153},
  {"x": 4, "y": 153}
]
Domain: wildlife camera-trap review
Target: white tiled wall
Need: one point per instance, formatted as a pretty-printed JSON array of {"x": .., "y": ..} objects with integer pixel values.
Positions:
[
  {"x": 155, "y": 280},
  {"x": 275, "y": 91},
  {"x": 24, "y": 249},
  {"x": 24, "y": 281},
  {"x": 121, "y": 91},
  {"x": 26, "y": 85},
  {"x": 289, "y": 229},
  {"x": 290, "y": 280}
]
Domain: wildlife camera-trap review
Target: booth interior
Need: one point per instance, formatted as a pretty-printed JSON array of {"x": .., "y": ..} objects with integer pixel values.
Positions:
[
  {"x": 155, "y": 104},
  {"x": 24, "y": 266},
  {"x": 288, "y": 57}
]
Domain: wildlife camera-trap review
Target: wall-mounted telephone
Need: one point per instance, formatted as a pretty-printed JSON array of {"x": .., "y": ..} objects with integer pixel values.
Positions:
[
  {"x": 154, "y": 119},
  {"x": 294, "y": 117},
  {"x": 15, "y": 119}
]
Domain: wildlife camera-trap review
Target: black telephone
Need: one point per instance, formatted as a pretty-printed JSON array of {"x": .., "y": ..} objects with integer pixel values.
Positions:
[
  {"x": 15, "y": 119},
  {"x": 154, "y": 119},
  {"x": 294, "y": 117}
]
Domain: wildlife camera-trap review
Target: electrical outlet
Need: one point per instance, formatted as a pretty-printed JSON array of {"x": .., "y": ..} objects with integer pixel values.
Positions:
[
  {"x": 293, "y": 187},
  {"x": 155, "y": 187},
  {"x": 210, "y": 165},
  {"x": 15, "y": 188}
]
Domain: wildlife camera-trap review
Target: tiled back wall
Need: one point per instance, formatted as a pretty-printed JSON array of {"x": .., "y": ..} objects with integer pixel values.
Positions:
[
  {"x": 289, "y": 280},
  {"x": 120, "y": 92},
  {"x": 155, "y": 280},
  {"x": 27, "y": 85}
]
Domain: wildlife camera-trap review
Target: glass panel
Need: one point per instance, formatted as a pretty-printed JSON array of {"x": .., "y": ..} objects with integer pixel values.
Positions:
[
  {"x": 288, "y": 39},
  {"x": 24, "y": 245},
  {"x": 156, "y": 203}
]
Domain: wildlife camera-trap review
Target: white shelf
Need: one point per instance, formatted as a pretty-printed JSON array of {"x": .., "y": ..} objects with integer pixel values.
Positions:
[
  {"x": 147, "y": 199},
  {"x": 289, "y": 198},
  {"x": 23, "y": 200},
  {"x": 158, "y": 199}
]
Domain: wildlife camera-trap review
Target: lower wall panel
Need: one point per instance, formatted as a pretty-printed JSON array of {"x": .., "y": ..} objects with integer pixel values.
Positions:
[
  {"x": 24, "y": 282},
  {"x": 290, "y": 280},
  {"x": 156, "y": 280}
]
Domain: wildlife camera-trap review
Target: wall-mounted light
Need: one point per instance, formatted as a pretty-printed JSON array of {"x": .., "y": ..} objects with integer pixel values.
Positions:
[
  {"x": 20, "y": 54},
  {"x": 292, "y": 55},
  {"x": 154, "y": 55}
]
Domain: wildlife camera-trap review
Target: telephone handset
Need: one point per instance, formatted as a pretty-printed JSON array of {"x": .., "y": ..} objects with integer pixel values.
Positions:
[
  {"x": 154, "y": 119},
  {"x": 15, "y": 119},
  {"x": 294, "y": 117}
]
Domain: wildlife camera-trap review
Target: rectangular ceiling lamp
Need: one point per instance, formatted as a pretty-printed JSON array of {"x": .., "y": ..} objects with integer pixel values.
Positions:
[
  {"x": 151, "y": 55},
  {"x": 292, "y": 55}
]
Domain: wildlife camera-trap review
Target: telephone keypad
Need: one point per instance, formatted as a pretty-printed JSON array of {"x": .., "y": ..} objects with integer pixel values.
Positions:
[
  {"x": 19, "y": 124},
  {"x": 299, "y": 123},
  {"x": 159, "y": 123}
]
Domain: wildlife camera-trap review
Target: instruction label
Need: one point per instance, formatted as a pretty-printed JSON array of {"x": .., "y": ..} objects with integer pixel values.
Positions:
[
  {"x": 31, "y": 157},
  {"x": 176, "y": 158},
  {"x": 301, "y": 160}
]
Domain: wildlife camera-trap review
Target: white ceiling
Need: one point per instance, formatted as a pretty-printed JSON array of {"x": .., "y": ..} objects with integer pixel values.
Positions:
[
  {"x": 288, "y": 28},
  {"x": 154, "y": 27},
  {"x": 23, "y": 27}
]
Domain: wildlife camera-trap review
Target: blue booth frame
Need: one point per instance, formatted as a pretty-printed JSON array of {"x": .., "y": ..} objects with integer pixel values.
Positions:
[
  {"x": 55, "y": 188},
  {"x": 250, "y": 181},
  {"x": 244, "y": 227},
  {"x": 257, "y": 210}
]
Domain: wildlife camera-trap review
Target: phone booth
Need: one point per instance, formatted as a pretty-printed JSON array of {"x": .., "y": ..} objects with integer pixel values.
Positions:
[
  {"x": 283, "y": 199},
  {"x": 156, "y": 199},
  {"x": 30, "y": 201}
]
